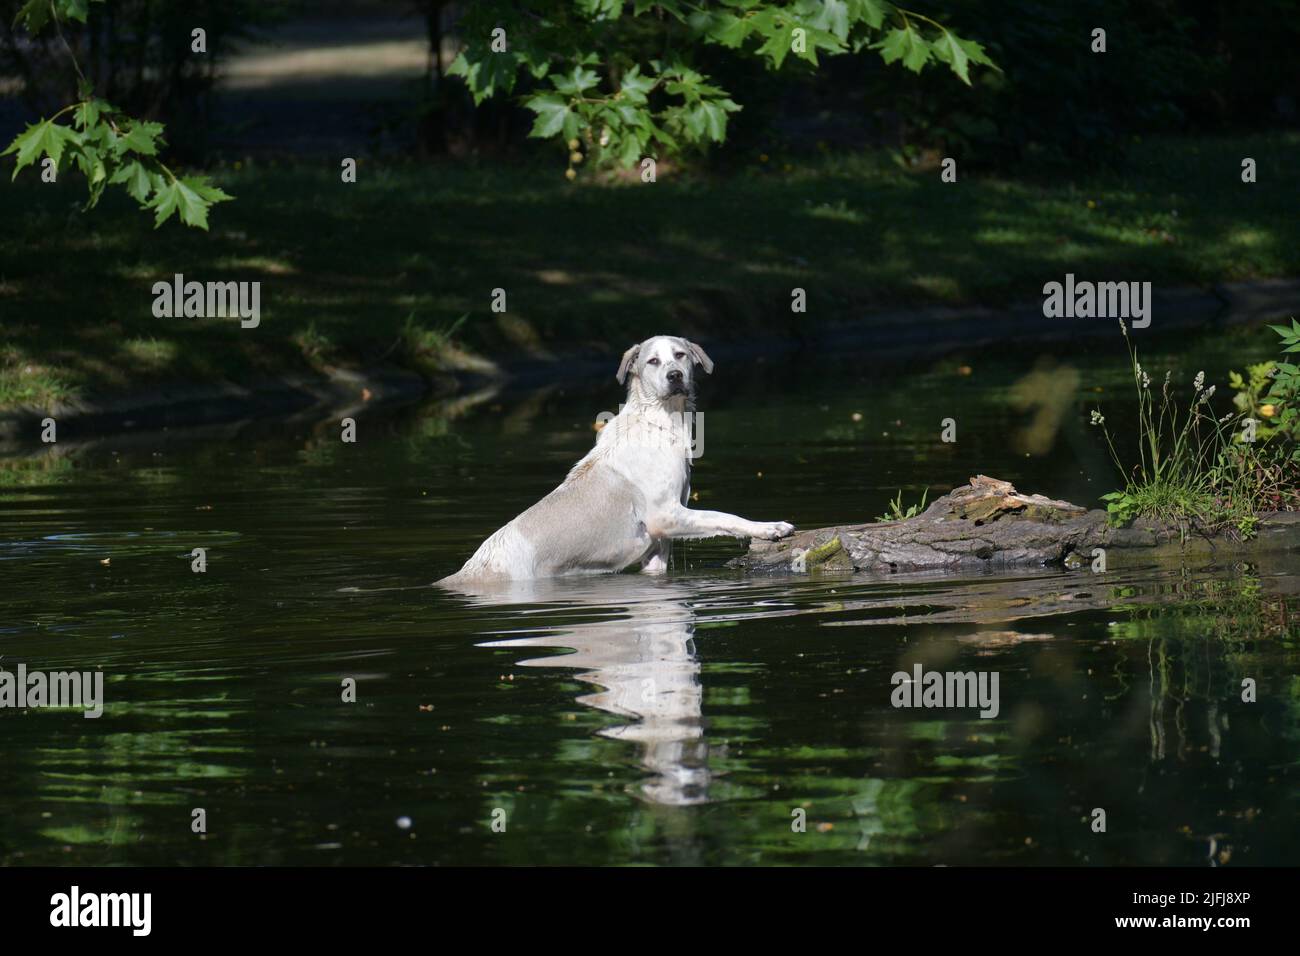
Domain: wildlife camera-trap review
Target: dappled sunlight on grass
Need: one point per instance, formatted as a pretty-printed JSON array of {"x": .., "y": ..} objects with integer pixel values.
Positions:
[
  {"x": 36, "y": 471},
  {"x": 941, "y": 287},
  {"x": 581, "y": 262},
  {"x": 262, "y": 264},
  {"x": 151, "y": 353},
  {"x": 838, "y": 212},
  {"x": 36, "y": 385},
  {"x": 1000, "y": 236},
  {"x": 1249, "y": 238}
]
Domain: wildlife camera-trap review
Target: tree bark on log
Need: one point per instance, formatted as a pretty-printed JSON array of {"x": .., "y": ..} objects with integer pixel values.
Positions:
[{"x": 988, "y": 524}]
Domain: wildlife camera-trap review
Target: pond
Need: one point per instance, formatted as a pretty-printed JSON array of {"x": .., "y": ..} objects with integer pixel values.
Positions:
[{"x": 701, "y": 718}]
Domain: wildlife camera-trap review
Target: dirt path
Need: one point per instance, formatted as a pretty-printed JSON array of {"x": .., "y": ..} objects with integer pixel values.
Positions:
[{"x": 318, "y": 86}]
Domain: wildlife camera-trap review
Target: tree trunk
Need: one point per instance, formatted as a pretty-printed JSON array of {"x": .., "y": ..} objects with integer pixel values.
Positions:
[{"x": 988, "y": 524}]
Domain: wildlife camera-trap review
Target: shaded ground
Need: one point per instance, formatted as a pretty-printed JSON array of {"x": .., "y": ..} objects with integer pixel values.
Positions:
[
  {"x": 382, "y": 270},
  {"x": 397, "y": 267},
  {"x": 323, "y": 86}
]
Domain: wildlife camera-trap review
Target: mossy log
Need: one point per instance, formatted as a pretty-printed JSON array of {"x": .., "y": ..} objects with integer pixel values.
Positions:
[{"x": 988, "y": 524}]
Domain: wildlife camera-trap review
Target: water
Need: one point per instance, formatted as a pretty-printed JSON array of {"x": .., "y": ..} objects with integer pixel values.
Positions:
[{"x": 691, "y": 719}]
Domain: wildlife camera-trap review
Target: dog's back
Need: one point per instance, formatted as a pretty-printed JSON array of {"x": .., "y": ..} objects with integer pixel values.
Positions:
[{"x": 589, "y": 524}]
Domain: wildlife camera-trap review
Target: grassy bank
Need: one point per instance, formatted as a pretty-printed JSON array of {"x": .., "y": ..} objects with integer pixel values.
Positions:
[{"x": 382, "y": 270}]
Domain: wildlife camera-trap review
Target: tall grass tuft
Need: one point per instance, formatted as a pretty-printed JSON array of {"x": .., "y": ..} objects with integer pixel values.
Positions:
[{"x": 1189, "y": 472}]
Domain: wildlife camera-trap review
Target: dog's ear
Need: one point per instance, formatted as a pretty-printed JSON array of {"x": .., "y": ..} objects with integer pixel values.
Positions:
[
  {"x": 628, "y": 358},
  {"x": 701, "y": 357}
]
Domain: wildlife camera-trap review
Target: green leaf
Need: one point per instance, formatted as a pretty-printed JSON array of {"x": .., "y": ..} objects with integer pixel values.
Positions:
[
  {"x": 629, "y": 152},
  {"x": 600, "y": 9},
  {"x": 203, "y": 186},
  {"x": 690, "y": 122},
  {"x": 485, "y": 72},
  {"x": 87, "y": 113},
  {"x": 136, "y": 178},
  {"x": 948, "y": 50},
  {"x": 141, "y": 137},
  {"x": 74, "y": 9},
  {"x": 577, "y": 82},
  {"x": 33, "y": 14},
  {"x": 573, "y": 125},
  {"x": 44, "y": 137},
  {"x": 904, "y": 43},
  {"x": 780, "y": 41},
  {"x": 731, "y": 31},
  {"x": 662, "y": 135},
  {"x": 975, "y": 53},
  {"x": 190, "y": 198},
  {"x": 551, "y": 110},
  {"x": 630, "y": 115},
  {"x": 635, "y": 87},
  {"x": 714, "y": 121},
  {"x": 671, "y": 7},
  {"x": 833, "y": 17},
  {"x": 872, "y": 12}
]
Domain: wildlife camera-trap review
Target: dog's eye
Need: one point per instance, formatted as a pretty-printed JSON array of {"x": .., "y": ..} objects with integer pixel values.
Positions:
[
  {"x": 679, "y": 355},
  {"x": 653, "y": 361}
]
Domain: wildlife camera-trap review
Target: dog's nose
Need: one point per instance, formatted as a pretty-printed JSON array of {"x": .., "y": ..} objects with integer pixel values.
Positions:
[{"x": 675, "y": 376}]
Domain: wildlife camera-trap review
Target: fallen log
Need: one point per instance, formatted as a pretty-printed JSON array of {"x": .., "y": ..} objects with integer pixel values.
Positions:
[{"x": 988, "y": 524}]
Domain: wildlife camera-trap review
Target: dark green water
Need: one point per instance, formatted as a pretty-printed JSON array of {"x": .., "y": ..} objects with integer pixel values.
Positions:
[{"x": 626, "y": 719}]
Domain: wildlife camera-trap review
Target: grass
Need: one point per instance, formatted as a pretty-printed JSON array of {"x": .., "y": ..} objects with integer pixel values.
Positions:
[
  {"x": 1193, "y": 469},
  {"x": 385, "y": 269},
  {"x": 897, "y": 512}
]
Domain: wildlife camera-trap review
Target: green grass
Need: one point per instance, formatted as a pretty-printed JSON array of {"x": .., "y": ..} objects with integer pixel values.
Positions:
[
  {"x": 1195, "y": 468},
  {"x": 384, "y": 269},
  {"x": 896, "y": 511}
]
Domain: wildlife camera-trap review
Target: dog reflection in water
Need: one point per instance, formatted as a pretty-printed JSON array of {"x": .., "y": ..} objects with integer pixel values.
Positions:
[{"x": 639, "y": 651}]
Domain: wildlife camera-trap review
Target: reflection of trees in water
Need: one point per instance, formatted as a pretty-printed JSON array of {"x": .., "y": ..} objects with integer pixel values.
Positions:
[
  {"x": 1200, "y": 650},
  {"x": 104, "y": 789},
  {"x": 1047, "y": 394},
  {"x": 1172, "y": 649},
  {"x": 1189, "y": 656}
]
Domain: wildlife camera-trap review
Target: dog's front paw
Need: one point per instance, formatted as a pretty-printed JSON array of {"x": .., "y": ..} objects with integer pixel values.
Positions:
[{"x": 774, "y": 530}]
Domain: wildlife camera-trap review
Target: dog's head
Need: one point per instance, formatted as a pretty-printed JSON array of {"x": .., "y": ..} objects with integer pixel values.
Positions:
[{"x": 663, "y": 367}]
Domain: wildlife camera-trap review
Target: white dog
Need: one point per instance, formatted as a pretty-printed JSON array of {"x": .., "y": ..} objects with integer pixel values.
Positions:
[{"x": 626, "y": 500}]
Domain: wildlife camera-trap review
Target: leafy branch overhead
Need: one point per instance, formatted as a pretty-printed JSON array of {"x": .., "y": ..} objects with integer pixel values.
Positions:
[
  {"x": 624, "y": 107},
  {"x": 108, "y": 146}
]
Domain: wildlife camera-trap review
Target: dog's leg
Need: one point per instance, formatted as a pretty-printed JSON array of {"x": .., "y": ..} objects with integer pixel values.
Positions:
[
  {"x": 657, "y": 561},
  {"x": 685, "y": 523}
]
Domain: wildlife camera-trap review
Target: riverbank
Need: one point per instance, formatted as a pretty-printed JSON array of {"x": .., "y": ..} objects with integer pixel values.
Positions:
[
  {"x": 900, "y": 335},
  {"x": 398, "y": 271}
]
